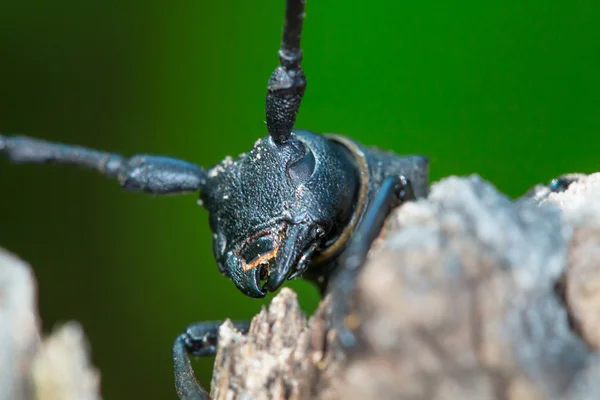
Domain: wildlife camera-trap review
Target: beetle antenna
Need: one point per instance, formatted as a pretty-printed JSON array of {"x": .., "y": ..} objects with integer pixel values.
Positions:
[
  {"x": 142, "y": 172},
  {"x": 287, "y": 82}
]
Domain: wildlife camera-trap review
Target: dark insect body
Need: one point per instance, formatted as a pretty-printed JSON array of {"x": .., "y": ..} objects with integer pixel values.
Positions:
[
  {"x": 539, "y": 193},
  {"x": 299, "y": 204}
]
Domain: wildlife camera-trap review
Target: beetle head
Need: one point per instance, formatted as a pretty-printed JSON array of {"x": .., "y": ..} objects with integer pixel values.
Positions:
[{"x": 272, "y": 207}]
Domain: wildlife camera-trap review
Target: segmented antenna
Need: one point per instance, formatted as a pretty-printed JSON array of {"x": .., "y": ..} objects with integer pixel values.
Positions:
[{"x": 287, "y": 82}]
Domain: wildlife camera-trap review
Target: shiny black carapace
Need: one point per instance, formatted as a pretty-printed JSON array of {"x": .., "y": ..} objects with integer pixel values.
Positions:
[{"x": 298, "y": 204}]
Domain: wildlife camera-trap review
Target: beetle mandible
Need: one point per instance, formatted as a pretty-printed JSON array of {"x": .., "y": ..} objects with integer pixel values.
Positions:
[{"x": 297, "y": 205}]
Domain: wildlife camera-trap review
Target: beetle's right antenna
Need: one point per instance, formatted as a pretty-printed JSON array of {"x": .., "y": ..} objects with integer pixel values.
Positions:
[{"x": 287, "y": 82}]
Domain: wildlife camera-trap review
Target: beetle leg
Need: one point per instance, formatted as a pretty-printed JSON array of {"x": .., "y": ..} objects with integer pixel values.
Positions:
[
  {"x": 540, "y": 192},
  {"x": 141, "y": 173},
  {"x": 186, "y": 385},
  {"x": 199, "y": 339},
  {"x": 393, "y": 192}
]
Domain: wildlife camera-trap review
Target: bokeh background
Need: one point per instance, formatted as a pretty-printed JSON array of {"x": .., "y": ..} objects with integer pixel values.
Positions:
[{"x": 508, "y": 90}]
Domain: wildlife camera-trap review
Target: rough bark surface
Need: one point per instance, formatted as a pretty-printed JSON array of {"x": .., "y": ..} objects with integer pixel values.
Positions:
[
  {"x": 278, "y": 359},
  {"x": 581, "y": 210},
  {"x": 466, "y": 295}
]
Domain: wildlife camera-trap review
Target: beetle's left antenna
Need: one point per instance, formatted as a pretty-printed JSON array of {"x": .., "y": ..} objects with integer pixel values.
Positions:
[
  {"x": 140, "y": 173},
  {"x": 287, "y": 83}
]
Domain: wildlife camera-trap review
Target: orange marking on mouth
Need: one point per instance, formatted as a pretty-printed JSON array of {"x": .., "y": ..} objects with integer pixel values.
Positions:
[
  {"x": 260, "y": 259},
  {"x": 264, "y": 257}
]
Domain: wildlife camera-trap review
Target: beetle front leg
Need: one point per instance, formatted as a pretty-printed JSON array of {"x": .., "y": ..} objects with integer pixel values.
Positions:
[
  {"x": 393, "y": 192},
  {"x": 560, "y": 184},
  {"x": 199, "y": 339}
]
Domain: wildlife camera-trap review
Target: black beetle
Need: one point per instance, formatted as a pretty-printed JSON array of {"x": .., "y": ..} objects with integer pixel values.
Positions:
[{"x": 299, "y": 204}]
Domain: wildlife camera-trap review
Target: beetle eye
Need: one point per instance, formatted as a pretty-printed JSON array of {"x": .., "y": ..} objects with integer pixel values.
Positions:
[{"x": 303, "y": 168}]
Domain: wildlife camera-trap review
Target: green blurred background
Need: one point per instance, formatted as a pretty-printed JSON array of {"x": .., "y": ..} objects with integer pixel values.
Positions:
[{"x": 509, "y": 90}]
